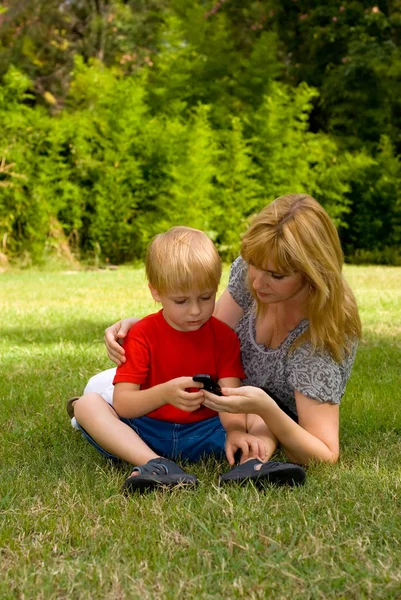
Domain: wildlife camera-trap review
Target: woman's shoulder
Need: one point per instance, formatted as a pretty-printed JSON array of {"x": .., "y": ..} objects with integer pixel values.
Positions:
[
  {"x": 306, "y": 350},
  {"x": 237, "y": 284}
]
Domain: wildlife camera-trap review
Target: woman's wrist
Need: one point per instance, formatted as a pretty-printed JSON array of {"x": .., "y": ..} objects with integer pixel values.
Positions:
[
  {"x": 267, "y": 407},
  {"x": 261, "y": 401}
]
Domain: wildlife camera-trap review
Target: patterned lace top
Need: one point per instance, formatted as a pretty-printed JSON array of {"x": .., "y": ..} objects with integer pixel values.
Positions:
[{"x": 314, "y": 374}]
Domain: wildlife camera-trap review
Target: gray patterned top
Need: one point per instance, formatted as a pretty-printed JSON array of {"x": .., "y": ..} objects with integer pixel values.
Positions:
[{"x": 314, "y": 374}]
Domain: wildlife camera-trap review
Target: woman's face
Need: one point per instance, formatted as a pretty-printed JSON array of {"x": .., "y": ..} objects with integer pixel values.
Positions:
[{"x": 272, "y": 285}]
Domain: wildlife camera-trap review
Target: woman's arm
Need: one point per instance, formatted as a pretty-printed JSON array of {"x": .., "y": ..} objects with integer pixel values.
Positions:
[
  {"x": 114, "y": 335},
  {"x": 237, "y": 436},
  {"x": 314, "y": 438},
  {"x": 227, "y": 310},
  {"x": 232, "y": 422}
]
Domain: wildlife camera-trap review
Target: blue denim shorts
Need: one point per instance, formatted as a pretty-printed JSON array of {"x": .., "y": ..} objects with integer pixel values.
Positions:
[{"x": 189, "y": 441}]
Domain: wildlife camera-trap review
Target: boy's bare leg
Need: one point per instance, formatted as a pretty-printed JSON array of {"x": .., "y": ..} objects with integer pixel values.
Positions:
[
  {"x": 257, "y": 427},
  {"x": 101, "y": 422}
]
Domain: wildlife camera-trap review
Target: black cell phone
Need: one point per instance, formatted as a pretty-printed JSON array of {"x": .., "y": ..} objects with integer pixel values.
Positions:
[{"x": 208, "y": 383}]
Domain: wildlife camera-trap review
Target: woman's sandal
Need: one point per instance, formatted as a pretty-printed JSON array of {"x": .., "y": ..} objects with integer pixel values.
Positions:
[
  {"x": 70, "y": 406},
  {"x": 158, "y": 472},
  {"x": 276, "y": 473}
]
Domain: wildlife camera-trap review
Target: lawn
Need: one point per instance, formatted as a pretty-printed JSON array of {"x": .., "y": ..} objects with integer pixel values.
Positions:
[{"x": 66, "y": 531}]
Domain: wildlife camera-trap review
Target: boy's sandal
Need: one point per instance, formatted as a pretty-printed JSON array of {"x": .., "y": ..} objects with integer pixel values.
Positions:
[
  {"x": 70, "y": 406},
  {"x": 276, "y": 473},
  {"x": 158, "y": 472}
]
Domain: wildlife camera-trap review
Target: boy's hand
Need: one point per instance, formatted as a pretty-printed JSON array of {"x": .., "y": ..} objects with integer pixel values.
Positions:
[
  {"x": 250, "y": 445},
  {"x": 175, "y": 394}
]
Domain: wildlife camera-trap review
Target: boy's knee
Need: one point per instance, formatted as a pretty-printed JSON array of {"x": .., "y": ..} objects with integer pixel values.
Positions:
[{"x": 86, "y": 403}]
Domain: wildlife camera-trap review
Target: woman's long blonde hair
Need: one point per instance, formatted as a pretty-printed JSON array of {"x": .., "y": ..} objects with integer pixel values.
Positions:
[{"x": 297, "y": 234}]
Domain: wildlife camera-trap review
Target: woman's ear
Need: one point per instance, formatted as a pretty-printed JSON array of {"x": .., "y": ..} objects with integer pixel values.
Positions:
[{"x": 155, "y": 293}]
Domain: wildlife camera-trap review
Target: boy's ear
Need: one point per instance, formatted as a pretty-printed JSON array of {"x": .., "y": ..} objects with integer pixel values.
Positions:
[{"x": 155, "y": 293}]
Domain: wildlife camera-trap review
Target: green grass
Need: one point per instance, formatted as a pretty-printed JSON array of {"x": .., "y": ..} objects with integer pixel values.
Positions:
[{"x": 66, "y": 531}]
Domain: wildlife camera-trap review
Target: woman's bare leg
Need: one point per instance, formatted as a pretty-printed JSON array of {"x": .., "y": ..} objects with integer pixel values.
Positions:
[{"x": 101, "y": 422}]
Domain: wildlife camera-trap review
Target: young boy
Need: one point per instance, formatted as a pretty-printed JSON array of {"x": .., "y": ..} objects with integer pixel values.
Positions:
[{"x": 157, "y": 414}]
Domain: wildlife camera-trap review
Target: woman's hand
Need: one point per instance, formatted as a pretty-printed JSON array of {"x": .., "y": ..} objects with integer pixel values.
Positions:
[
  {"x": 113, "y": 337},
  {"x": 247, "y": 399},
  {"x": 250, "y": 446}
]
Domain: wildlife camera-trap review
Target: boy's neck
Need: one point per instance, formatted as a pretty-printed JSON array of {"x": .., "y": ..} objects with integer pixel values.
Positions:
[{"x": 173, "y": 326}]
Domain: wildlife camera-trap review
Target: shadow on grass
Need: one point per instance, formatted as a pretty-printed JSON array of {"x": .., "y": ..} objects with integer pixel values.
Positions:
[{"x": 75, "y": 332}]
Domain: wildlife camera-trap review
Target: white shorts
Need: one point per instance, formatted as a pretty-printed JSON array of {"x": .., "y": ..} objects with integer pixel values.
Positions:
[{"x": 102, "y": 383}]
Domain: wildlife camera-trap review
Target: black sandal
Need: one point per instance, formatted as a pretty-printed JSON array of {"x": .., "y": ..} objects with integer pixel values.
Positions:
[
  {"x": 279, "y": 473},
  {"x": 276, "y": 473},
  {"x": 158, "y": 472},
  {"x": 244, "y": 472},
  {"x": 70, "y": 406}
]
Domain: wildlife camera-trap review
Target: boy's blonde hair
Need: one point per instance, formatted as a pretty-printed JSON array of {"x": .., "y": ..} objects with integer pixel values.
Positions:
[
  {"x": 296, "y": 234},
  {"x": 182, "y": 259}
]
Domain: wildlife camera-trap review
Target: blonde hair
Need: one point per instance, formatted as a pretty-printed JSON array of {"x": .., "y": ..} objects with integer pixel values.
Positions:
[
  {"x": 182, "y": 259},
  {"x": 296, "y": 234}
]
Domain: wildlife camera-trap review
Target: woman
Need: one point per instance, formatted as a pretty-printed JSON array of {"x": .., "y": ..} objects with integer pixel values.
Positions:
[{"x": 298, "y": 326}]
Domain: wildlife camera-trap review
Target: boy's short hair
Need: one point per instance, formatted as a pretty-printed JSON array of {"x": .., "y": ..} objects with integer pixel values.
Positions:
[{"x": 182, "y": 259}]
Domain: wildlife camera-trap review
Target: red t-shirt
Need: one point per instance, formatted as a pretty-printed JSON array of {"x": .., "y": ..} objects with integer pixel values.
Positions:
[{"x": 156, "y": 353}]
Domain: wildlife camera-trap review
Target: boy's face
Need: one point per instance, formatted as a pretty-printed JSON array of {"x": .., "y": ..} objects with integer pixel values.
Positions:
[{"x": 186, "y": 311}]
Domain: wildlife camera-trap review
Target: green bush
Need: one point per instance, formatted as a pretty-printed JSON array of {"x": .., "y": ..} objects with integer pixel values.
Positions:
[
  {"x": 385, "y": 256},
  {"x": 105, "y": 174},
  {"x": 374, "y": 223},
  {"x": 25, "y": 207}
]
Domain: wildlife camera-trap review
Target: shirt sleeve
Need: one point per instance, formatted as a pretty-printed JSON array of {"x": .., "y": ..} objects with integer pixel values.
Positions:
[
  {"x": 237, "y": 284},
  {"x": 317, "y": 375},
  {"x": 136, "y": 367}
]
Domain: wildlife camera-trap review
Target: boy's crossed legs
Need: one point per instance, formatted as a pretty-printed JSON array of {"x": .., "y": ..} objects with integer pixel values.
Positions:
[{"x": 150, "y": 443}]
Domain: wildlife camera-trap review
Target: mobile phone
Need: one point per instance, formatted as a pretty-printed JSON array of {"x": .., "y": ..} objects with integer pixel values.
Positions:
[{"x": 208, "y": 383}]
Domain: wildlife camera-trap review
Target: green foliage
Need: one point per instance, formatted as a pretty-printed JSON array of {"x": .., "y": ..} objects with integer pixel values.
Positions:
[
  {"x": 238, "y": 192},
  {"x": 43, "y": 37},
  {"x": 23, "y": 208},
  {"x": 113, "y": 175},
  {"x": 204, "y": 57},
  {"x": 350, "y": 51},
  {"x": 120, "y": 119},
  {"x": 375, "y": 221}
]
